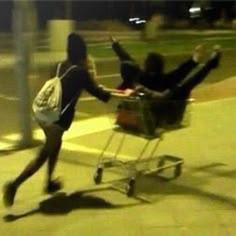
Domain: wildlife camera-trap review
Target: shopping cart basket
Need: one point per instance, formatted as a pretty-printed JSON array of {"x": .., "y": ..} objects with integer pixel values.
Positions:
[{"x": 141, "y": 117}]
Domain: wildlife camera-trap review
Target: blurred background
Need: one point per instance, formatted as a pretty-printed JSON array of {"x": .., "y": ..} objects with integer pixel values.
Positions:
[
  {"x": 175, "y": 14},
  {"x": 33, "y": 36}
]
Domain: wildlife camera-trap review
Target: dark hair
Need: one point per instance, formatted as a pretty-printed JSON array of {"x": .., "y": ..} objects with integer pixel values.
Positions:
[
  {"x": 76, "y": 48},
  {"x": 154, "y": 62}
]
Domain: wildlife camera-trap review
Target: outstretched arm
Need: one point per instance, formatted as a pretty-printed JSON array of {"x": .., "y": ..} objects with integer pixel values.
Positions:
[
  {"x": 102, "y": 93},
  {"x": 120, "y": 51}
]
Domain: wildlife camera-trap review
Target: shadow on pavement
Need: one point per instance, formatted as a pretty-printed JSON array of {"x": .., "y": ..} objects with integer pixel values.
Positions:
[
  {"x": 187, "y": 185},
  {"x": 63, "y": 203},
  {"x": 216, "y": 169}
]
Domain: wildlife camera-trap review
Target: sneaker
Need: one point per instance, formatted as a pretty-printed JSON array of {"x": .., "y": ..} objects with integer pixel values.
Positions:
[
  {"x": 198, "y": 53},
  {"x": 9, "y": 192},
  {"x": 53, "y": 186},
  {"x": 215, "y": 57}
]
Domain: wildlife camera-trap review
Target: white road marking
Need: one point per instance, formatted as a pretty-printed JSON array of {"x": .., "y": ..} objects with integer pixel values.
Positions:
[
  {"x": 8, "y": 98},
  {"x": 108, "y": 76},
  {"x": 219, "y": 38}
]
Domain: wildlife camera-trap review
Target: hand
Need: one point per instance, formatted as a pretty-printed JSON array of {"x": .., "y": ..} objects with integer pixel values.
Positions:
[
  {"x": 122, "y": 93},
  {"x": 128, "y": 92}
]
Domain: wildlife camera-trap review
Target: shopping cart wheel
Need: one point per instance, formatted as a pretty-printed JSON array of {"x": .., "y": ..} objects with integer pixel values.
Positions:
[
  {"x": 98, "y": 175},
  {"x": 178, "y": 170},
  {"x": 130, "y": 187}
]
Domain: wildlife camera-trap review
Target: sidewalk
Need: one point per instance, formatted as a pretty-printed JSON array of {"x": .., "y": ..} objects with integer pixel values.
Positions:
[{"x": 201, "y": 201}]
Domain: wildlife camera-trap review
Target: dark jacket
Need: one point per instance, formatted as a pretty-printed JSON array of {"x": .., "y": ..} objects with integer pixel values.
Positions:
[{"x": 77, "y": 80}]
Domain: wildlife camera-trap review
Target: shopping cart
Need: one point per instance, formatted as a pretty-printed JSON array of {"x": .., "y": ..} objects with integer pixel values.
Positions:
[{"x": 143, "y": 118}]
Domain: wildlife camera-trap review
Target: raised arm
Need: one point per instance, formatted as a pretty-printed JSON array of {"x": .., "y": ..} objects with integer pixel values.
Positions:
[{"x": 120, "y": 51}]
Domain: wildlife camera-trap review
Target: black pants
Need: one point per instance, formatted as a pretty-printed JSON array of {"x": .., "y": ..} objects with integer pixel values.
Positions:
[
  {"x": 184, "y": 88},
  {"x": 172, "y": 110}
]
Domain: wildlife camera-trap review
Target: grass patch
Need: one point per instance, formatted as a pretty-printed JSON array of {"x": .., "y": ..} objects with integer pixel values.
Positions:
[
  {"x": 176, "y": 48},
  {"x": 168, "y": 44}
]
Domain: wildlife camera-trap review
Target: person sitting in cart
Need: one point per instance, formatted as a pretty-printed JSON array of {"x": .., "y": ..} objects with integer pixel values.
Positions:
[
  {"x": 153, "y": 77},
  {"x": 175, "y": 85}
]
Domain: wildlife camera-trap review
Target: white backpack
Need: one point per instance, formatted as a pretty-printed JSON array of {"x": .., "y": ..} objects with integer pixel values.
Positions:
[{"x": 47, "y": 103}]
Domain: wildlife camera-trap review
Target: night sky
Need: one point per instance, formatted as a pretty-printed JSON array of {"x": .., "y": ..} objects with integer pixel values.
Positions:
[{"x": 80, "y": 10}]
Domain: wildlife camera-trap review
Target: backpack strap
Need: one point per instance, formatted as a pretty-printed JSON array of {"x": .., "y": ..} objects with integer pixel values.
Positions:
[
  {"x": 61, "y": 77},
  {"x": 66, "y": 72},
  {"x": 58, "y": 69}
]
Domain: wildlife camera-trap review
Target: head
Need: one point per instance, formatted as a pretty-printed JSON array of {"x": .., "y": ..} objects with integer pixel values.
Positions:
[
  {"x": 76, "y": 48},
  {"x": 154, "y": 63}
]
